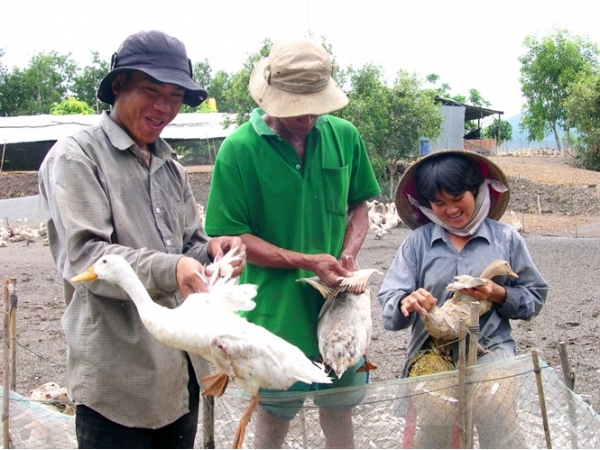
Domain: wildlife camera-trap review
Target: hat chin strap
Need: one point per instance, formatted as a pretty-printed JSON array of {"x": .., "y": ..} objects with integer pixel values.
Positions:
[{"x": 482, "y": 209}]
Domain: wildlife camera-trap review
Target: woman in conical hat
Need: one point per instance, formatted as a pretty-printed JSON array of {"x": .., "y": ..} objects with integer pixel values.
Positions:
[{"x": 453, "y": 200}]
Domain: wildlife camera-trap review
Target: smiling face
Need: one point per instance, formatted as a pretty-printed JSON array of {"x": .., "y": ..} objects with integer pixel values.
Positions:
[
  {"x": 144, "y": 106},
  {"x": 454, "y": 210}
]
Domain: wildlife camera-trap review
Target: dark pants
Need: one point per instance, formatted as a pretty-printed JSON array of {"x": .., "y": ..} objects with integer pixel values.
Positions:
[{"x": 96, "y": 431}]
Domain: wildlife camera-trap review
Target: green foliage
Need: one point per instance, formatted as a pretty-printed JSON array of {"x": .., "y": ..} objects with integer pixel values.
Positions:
[
  {"x": 548, "y": 70},
  {"x": 71, "y": 106},
  {"x": 202, "y": 108},
  {"x": 502, "y": 126},
  {"x": 37, "y": 88},
  {"x": 2, "y": 66},
  {"x": 237, "y": 97},
  {"x": 219, "y": 86},
  {"x": 583, "y": 113},
  {"x": 391, "y": 119},
  {"x": 203, "y": 74},
  {"x": 87, "y": 81}
]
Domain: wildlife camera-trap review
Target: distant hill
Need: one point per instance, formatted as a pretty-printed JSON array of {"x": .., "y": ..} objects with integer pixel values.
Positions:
[{"x": 519, "y": 139}]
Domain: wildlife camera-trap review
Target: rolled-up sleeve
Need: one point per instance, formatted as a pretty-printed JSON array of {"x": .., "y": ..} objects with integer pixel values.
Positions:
[{"x": 526, "y": 295}]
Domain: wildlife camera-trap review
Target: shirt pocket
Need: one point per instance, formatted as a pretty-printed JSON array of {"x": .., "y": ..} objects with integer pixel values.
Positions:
[{"x": 335, "y": 189}]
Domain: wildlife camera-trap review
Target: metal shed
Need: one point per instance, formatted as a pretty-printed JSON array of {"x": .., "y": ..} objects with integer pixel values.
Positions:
[
  {"x": 453, "y": 136},
  {"x": 25, "y": 140}
]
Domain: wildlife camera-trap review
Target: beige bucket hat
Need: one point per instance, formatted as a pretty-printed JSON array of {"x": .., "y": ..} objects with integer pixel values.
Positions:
[
  {"x": 295, "y": 80},
  {"x": 414, "y": 218}
]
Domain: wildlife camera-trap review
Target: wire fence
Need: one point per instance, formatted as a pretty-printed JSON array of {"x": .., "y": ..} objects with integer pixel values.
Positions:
[
  {"x": 518, "y": 402},
  {"x": 502, "y": 399}
]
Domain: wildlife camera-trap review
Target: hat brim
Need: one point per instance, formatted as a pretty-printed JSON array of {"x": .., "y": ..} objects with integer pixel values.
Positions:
[
  {"x": 279, "y": 103},
  {"x": 407, "y": 185},
  {"x": 193, "y": 96}
]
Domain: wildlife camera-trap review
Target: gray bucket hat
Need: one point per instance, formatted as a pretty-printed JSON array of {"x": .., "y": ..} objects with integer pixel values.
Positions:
[{"x": 158, "y": 55}]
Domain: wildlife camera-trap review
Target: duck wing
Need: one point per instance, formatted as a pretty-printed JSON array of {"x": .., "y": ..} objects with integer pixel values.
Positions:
[
  {"x": 464, "y": 282},
  {"x": 256, "y": 358}
]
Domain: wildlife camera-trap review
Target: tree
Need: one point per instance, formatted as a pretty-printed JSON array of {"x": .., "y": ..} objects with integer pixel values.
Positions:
[
  {"x": 238, "y": 96},
  {"x": 34, "y": 90},
  {"x": 219, "y": 86},
  {"x": 202, "y": 75},
  {"x": 87, "y": 81},
  {"x": 500, "y": 130},
  {"x": 3, "y": 69},
  {"x": 583, "y": 113},
  {"x": 71, "y": 106},
  {"x": 12, "y": 92},
  {"x": 548, "y": 69},
  {"x": 391, "y": 120}
]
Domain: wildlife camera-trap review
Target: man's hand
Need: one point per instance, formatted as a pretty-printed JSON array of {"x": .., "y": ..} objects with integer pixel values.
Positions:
[
  {"x": 222, "y": 244},
  {"x": 328, "y": 269},
  {"x": 420, "y": 301},
  {"x": 188, "y": 280}
]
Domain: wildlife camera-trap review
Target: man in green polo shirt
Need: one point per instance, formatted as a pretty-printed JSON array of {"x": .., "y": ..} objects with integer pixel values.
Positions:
[{"x": 293, "y": 183}]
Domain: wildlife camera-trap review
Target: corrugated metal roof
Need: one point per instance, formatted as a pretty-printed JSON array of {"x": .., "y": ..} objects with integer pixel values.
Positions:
[
  {"x": 14, "y": 130},
  {"x": 471, "y": 112}
]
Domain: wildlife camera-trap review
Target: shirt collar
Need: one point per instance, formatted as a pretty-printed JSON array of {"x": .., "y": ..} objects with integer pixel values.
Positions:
[
  {"x": 261, "y": 127},
  {"x": 483, "y": 231},
  {"x": 120, "y": 139}
]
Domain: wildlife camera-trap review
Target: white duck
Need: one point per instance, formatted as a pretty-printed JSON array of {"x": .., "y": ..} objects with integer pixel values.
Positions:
[
  {"x": 442, "y": 322},
  {"x": 345, "y": 326},
  {"x": 207, "y": 324}
]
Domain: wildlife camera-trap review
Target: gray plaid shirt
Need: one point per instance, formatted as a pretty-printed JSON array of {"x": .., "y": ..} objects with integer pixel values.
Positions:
[{"x": 101, "y": 198}]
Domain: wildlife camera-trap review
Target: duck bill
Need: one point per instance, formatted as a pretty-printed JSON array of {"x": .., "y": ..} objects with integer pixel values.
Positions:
[
  {"x": 513, "y": 274},
  {"x": 88, "y": 275}
]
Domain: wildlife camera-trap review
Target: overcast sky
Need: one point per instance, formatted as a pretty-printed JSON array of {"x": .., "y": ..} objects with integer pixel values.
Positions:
[{"x": 469, "y": 44}]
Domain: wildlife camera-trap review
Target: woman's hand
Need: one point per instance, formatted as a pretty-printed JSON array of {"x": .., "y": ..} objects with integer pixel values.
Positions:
[
  {"x": 488, "y": 291},
  {"x": 420, "y": 301}
]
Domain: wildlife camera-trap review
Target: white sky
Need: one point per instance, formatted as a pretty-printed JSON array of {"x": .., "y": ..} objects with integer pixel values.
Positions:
[{"x": 469, "y": 44}]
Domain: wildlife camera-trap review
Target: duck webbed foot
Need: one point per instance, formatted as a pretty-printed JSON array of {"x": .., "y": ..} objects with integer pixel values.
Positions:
[{"x": 215, "y": 384}]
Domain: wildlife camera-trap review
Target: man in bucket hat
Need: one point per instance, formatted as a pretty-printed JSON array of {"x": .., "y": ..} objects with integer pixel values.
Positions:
[
  {"x": 453, "y": 201},
  {"x": 117, "y": 187},
  {"x": 298, "y": 179}
]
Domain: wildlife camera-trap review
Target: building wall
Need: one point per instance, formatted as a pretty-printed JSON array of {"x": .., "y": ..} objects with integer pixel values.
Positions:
[{"x": 453, "y": 129}]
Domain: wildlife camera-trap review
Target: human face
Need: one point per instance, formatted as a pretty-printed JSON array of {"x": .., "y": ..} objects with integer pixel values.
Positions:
[
  {"x": 144, "y": 106},
  {"x": 454, "y": 210},
  {"x": 296, "y": 127}
]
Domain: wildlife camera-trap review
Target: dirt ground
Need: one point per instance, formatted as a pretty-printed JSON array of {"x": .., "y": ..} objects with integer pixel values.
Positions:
[{"x": 558, "y": 204}]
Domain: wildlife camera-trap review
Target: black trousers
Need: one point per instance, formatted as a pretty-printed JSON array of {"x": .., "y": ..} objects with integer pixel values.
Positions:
[{"x": 96, "y": 431}]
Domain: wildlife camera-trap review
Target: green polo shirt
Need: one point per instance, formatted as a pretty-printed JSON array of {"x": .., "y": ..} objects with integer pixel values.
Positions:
[{"x": 260, "y": 186}]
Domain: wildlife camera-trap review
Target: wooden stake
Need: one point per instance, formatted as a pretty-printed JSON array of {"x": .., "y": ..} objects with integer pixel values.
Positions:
[
  {"x": 462, "y": 398},
  {"x": 2, "y": 161},
  {"x": 542, "y": 397},
  {"x": 569, "y": 377},
  {"x": 473, "y": 341},
  {"x": 208, "y": 421},
  {"x": 14, "y": 300},
  {"x": 6, "y": 365}
]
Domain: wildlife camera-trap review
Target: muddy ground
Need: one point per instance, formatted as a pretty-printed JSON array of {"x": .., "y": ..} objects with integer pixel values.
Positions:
[{"x": 558, "y": 205}]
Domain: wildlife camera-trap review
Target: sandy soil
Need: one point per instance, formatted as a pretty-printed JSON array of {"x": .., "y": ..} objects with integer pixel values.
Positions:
[{"x": 558, "y": 204}]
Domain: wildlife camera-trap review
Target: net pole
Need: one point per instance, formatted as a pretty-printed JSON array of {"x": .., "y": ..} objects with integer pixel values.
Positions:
[
  {"x": 472, "y": 360},
  {"x": 6, "y": 368},
  {"x": 208, "y": 421},
  {"x": 462, "y": 399},
  {"x": 542, "y": 397},
  {"x": 569, "y": 377},
  {"x": 14, "y": 301}
]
